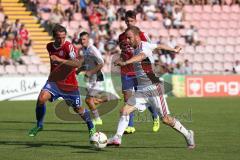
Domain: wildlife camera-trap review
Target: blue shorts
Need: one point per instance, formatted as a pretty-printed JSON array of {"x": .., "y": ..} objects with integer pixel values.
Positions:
[
  {"x": 129, "y": 82},
  {"x": 72, "y": 98}
]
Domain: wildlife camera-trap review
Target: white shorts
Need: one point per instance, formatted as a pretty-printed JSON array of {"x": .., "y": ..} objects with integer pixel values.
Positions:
[
  {"x": 153, "y": 96},
  {"x": 93, "y": 88}
]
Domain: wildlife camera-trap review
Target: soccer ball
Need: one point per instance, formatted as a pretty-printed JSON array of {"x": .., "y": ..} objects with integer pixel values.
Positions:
[{"x": 98, "y": 140}]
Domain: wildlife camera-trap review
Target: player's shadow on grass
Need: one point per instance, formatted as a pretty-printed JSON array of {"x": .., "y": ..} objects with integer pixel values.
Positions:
[
  {"x": 49, "y": 144},
  {"x": 149, "y": 147},
  {"x": 31, "y": 122}
]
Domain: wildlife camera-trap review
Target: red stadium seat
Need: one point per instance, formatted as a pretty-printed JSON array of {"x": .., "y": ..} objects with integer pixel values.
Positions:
[
  {"x": 231, "y": 40},
  {"x": 229, "y": 49},
  {"x": 197, "y": 8},
  {"x": 188, "y": 17},
  {"x": 33, "y": 69},
  {"x": 206, "y": 16},
  {"x": 228, "y": 57},
  {"x": 218, "y": 57},
  {"x": 222, "y": 32},
  {"x": 210, "y": 49},
  {"x": 64, "y": 2},
  {"x": 74, "y": 24},
  {"x": 207, "y": 8},
  {"x": 237, "y": 49},
  {"x": 237, "y": 56},
  {"x": 77, "y": 16},
  {"x": 189, "y": 50},
  {"x": 218, "y": 66},
  {"x": 232, "y": 32},
  {"x": 214, "y": 24},
  {"x": 35, "y": 60},
  {"x": 238, "y": 40},
  {"x": 228, "y": 66},
  {"x": 217, "y": 9},
  {"x": 204, "y": 24},
  {"x": 234, "y": 16},
  {"x": 2, "y": 70},
  {"x": 215, "y": 16},
  {"x": 197, "y": 67},
  {"x": 198, "y": 58},
  {"x": 188, "y": 8},
  {"x": 21, "y": 69},
  {"x": 223, "y": 24},
  {"x": 174, "y": 32},
  {"x": 220, "y": 49},
  {"x": 213, "y": 32},
  {"x": 196, "y": 16},
  {"x": 233, "y": 24},
  {"x": 224, "y": 16},
  {"x": 53, "y": 2},
  {"x": 208, "y": 57},
  {"x": 188, "y": 56},
  {"x": 208, "y": 67},
  {"x": 200, "y": 50},
  {"x": 156, "y": 24},
  {"x": 10, "y": 69},
  {"x": 226, "y": 8},
  {"x": 211, "y": 41},
  {"x": 235, "y": 8},
  {"x": 203, "y": 32},
  {"x": 163, "y": 33},
  {"x": 26, "y": 60},
  {"x": 43, "y": 69}
]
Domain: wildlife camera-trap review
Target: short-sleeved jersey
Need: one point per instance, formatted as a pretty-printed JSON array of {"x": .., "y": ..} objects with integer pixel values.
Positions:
[
  {"x": 63, "y": 75},
  {"x": 127, "y": 52},
  {"x": 92, "y": 58},
  {"x": 144, "y": 70}
]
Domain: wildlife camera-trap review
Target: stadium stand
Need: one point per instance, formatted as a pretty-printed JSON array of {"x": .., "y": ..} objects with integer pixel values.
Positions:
[{"x": 208, "y": 31}]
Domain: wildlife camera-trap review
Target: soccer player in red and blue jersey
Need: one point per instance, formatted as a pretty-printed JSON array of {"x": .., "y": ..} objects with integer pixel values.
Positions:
[
  {"x": 128, "y": 76},
  {"x": 62, "y": 80}
]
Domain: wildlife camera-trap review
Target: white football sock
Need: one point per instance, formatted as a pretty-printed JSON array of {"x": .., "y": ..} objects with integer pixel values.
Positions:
[
  {"x": 122, "y": 125},
  {"x": 180, "y": 128}
]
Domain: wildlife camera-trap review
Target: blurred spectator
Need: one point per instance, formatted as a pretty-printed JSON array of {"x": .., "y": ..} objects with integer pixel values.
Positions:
[
  {"x": 111, "y": 16},
  {"x": 187, "y": 69},
  {"x": 76, "y": 42},
  {"x": 192, "y": 36},
  {"x": 16, "y": 54},
  {"x": 236, "y": 67},
  {"x": 121, "y": 13},
  {"x": 56, "y": 17},
  {"x": 5, "y": 54},
  {"x": 102, "y": 32},
  {"x": 177, "y": 18},
  {"x": 178, "y": 69},
  {"x": 167, "y": 22},
  {"x": 149, "y": 10},
  {"x": 16, "y": 26},
  {"x": 95, "y": 16}
]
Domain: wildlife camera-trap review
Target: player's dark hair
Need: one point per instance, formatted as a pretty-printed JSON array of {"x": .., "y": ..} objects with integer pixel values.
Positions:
[
  {"x": 131, "y": 14},
  {"x": 58, "y": 28},
  {"x": 83, "y": 34},
  {"x": 134, "y": 29}
]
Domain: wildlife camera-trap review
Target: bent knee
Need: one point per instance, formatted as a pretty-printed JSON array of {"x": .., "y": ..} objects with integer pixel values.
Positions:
[{"x": 43, "y": 98}]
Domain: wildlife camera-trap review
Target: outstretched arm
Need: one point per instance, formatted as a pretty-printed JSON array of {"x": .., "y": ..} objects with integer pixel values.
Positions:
[
  {"x": 137, "y": 58},
  {"x": 167, "y": 48}
]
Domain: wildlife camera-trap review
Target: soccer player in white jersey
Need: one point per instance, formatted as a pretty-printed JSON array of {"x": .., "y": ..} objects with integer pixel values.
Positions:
[
  {"x": 149, "y": 89},
  {"x": 93, "y": 63}
]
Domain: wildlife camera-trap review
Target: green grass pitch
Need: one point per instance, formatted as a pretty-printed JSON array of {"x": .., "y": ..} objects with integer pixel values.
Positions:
[{"x": 215, "y": 121}]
